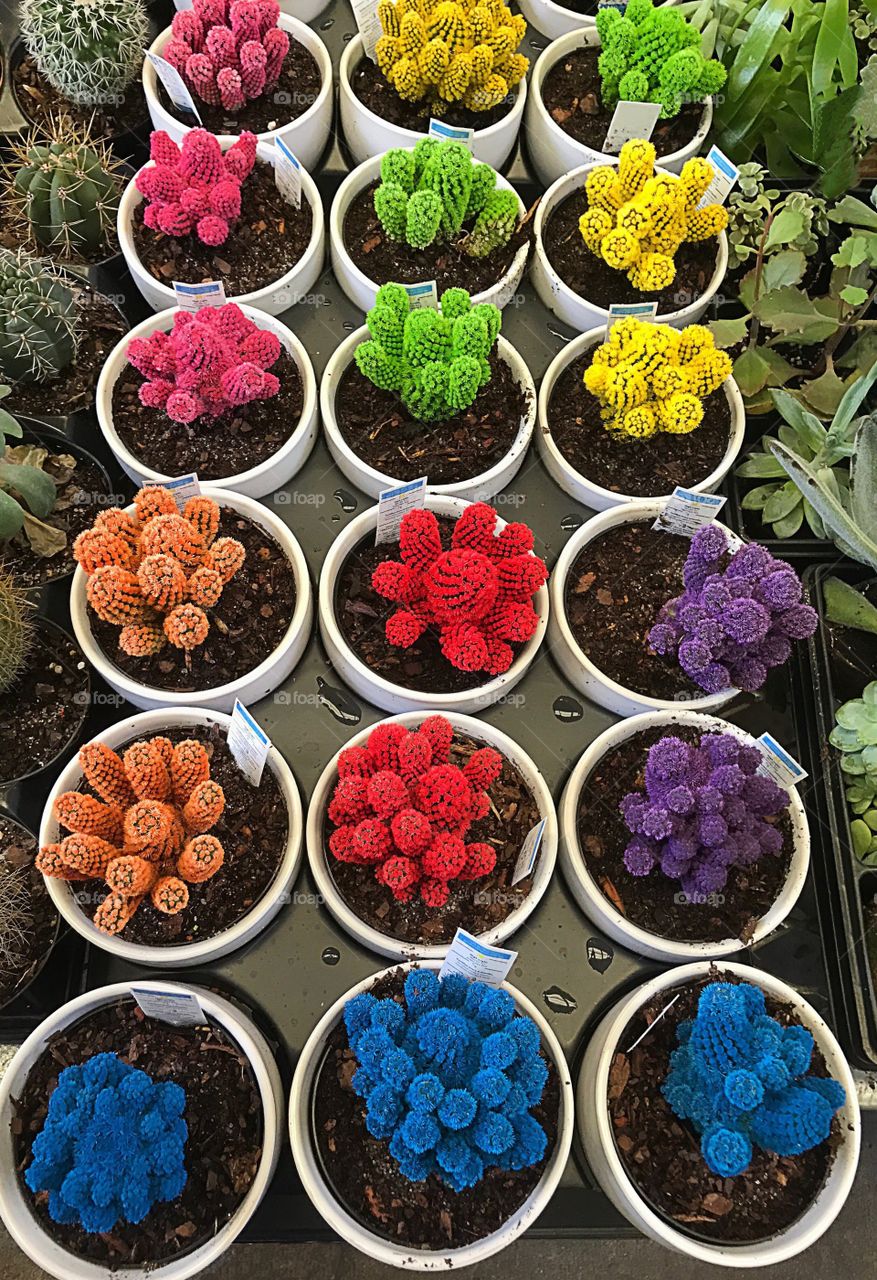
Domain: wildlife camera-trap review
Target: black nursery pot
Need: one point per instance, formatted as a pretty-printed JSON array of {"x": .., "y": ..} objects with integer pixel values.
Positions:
[{"x": 23, "y": 965}]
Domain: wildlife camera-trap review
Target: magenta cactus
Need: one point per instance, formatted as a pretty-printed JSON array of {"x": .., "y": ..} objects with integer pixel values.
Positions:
[
  {"x": 228, "y": 53},
  {"x": 195, "y": 187},
  {"x": 209, "y": 363}
]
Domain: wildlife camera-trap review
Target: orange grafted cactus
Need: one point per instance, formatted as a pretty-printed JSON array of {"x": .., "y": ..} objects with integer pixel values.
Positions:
[
  {"x": 204, "y": 807},
  {"x": 143, "y": 640},
  {"x": 170, "y": 895},
  {"x": 114, "y": 913},
  {"x": 96, "y": 548},
  {"x": 115, "y": 596},
  {"x": 201, "y": 859},
  {"x": 174, "y": 536},
  {"x": 203, "y": 515},
  {"x": 131, "y": 876},
  {"x": 90, "y": 817},
  {"x": 189, "y": 767},
  {"x": 89, "y": 855},
  {"x": 50, "y": 863},
  {"x": 205, "y": 587},
  {"x": 148, "y": 826},
  {"x": 162, "y": 582},
  {"x": 186, "y": 626},
  {"x": 147, "y": 771},
  {"x": 153, "y": 501},
  {"x": 116, "y": 521},
  {"x": 165, "y": 749},
  {"x": 105, "y": 773},
  {"x": 226, "y": 556}
]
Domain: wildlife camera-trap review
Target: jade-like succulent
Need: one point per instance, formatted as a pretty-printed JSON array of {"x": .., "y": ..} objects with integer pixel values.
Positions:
[
  {"x": 39, "y": 332},
  {"x": 855, "y": 736},
  {"x": 802, "y": 218}
]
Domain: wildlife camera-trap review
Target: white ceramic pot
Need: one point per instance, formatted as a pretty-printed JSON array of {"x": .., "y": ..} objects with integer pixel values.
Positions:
[
  {"x": 15, "y": 1205},
  {"x": 395, "y": 948},
  {"x": 351, "y": 1229},
  {"x": 249, "y": 688},
  {"x": 360, "y": 288},
  {"x": 374, "y": 688},
  {"x": 552, "y": 150},
  {"x": 579, "y": 312},
  {"x": 579, "y": 486},
  {"x": 291, "y": 287},
  {"x": 237, "y": 935},
  {"x": 594, "y": 902},
  {"x": 304, "y": 10},
  {"x": 371, "y": 481},
  {"x": 574, "y": 662},
  {"x": 595, "y": 1127},
  {"x": 306, "y": 136},
  {"x": 368, "y": 134},
  {"x": 555, "y": 20}
]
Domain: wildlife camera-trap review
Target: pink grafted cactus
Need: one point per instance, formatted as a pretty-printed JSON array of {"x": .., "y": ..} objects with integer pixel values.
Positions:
[
  {"x": 228, "y": 53},
  {"x": 210, "y": 362},
  {"x": 195, "y": 187}
]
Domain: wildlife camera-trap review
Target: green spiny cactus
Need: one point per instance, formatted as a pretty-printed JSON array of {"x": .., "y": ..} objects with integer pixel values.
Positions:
[
  {"x": 436, "y": 361},
  {"x": 89, "y": 50},
  {"x": 16, "y": 629},
  {"x": 38, "y": 322},
  {"x": 855, "y": 736},
  {"x": 495, "y": 223}
]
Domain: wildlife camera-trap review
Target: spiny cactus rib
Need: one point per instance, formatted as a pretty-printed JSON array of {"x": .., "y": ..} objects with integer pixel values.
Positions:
[
  {"x": 39, "y": 327},
  {"x": 89, "y": 50}
]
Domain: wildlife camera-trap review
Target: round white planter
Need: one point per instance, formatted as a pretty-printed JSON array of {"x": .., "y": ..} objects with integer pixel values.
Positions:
[
  {"x": 360, "y": 288},
  {"x": 595, "y": 1127},
  {"x": 373, "y": 482},
  {"x": 374, "y": 688},
  {"x": 552, "y": 150},
  {"x": 573, "y": 662},
  {"x": 249, "y": 688},
  {"x": 306, "y": 136},
  {"x": 555, "y": 20},
  {"x": 597, "y": 906},
  {"x": 579, "y": 486},
  {"x": 352, "y": 1231},
  {"x": 396, "y": 949},
  {"x": 368, "y": 134},
  {"x": 571, "y": 307},
  {"x": 15, "y": 1206},
  {"x": 304, "y": 10},
  {"x": 257, "y": 918},
  {"x": 293, "y": 286}
]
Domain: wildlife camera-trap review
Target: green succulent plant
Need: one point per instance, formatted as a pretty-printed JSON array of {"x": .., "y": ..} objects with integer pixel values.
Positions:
[
  {"x": 26, "y": 491},
  {"x": 799, "y": 218},
  {"x": 855, "y": 736},
  {"x": 863, "y": 20}
]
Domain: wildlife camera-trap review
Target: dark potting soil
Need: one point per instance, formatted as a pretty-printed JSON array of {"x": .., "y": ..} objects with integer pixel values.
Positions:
[
  {"x": 474, "y": 905},
  {"x": 223, "y": 1113},
  {"x": 366, "y": 1179},
  {"x": 592, "y": 279},
  {"x": 289, "y": 98},
  {"x": 248, "y": 623},
  {"x": 267, "y": 241},
  {"x": 641, "y": 468},
  {"x": 612, "y": 598},
  {"x": 45, "y": 707},
  {"x": 214, "y": 447},
  {"x": 571, "y": 94},
  {"x": 40, "y": 101},
  {"x": 661, "y": 1154},
  {"x": 373, "y": 90},
  {"x": 26, "y": 936},
  {"x": 445, "y": 261},
  {"x": 380, "y": 431},
  {"x": 656, "y": 902}
]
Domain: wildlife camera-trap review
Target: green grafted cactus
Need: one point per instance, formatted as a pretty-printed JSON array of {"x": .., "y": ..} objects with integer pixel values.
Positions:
[
  {"x": 38, "y": 323},
  {"x": 89, "y": 50},
  {"x": 495, "y": 224},
  {"x": 16, "y": 629},
  {"x": 435, "y": 361},
  {"x": 855, "y": 736}
]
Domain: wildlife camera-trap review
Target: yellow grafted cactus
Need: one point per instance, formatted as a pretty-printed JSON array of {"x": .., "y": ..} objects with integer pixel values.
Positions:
[
  {"x": 594, "y": 224},
  {"x": 636, "y": 164},
  {"x": 603, "y": 190}
]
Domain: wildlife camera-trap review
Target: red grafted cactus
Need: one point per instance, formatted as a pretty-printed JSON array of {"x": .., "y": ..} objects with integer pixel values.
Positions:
[
  {"x": 195, "y": 187},
  {"x": 402, "y": 807},
  {"x": 477, "y": 595},
  {"x": 228, "y": 53}
]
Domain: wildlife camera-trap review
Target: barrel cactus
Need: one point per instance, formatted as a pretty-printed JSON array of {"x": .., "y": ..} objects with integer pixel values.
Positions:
[
  {"x": 16, "y": 629},
  {"x": 89, "y": 50},
  {"x": 38, "y": 322}
]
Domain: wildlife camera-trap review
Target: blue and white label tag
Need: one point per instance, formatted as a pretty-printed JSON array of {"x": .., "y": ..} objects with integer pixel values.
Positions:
[
  {"x": 642, "y": 311},
  {"x": 174, "y": 84},
  {"x": 778, "y": 764},
  {"x": 393, "y": 504},
  {"x": 529, "y": 851},
  {"x": 476, "y": 961},
  {"x": 369, "y": 24},
  {"x": 248, "y": 743},
  {"x": 287, "y": 173},
  {"x": 422, "y": 295},
  {"x": 182, "y": 488},
  {"x": 178, "y": 1008},
  {"x": 192, "y": 297},
  {"x": 686, "y": 512},
  {"x": 725, "y": 175},
  {"x": 620, "y": 5},
  {"x": 451, "y": 133},
  {"x": 631, "y": 120}
]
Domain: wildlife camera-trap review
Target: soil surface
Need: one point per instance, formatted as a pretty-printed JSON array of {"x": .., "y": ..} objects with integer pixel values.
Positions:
[
  {"x": 641, "y": 468},
  {"x": 661, "y": 1154},
  {"x": 656, "y": 902},
  {"x": 367, "y": 1181},
  {"x": 246, "y": 626},
  {"x": 40, "y": 100},
  {"x": 223, "y": 1113},
  {"x": 26, "y": 936},
  {"x": 215, "y": 448},
  {"x": 44, "y": 709},
  {"x": 383, "y": 434},
  {"x": 592, "y": 279},
  {"x": 268, "y": 240},
  {"x": 371, "y": 87}
]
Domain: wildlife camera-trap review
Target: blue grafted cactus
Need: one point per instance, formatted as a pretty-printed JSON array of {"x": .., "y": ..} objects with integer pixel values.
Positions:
[
  {"x": 739, "y": 1077},
  {"x": 449, "y": 1078},
  {"x": 112, "y": 1145}
]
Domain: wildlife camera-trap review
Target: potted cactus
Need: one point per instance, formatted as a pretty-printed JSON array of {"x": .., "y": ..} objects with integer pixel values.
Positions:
[
  {"x": 28, "y": 920},
  {"x": 428, "y": 392}
]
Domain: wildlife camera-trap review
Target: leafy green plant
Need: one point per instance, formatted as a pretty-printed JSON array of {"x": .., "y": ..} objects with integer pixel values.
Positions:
[
  {"x": 27, "y": 493},
  {"x": 800, "y": 217},
  {"x": 855, "y": 736}
]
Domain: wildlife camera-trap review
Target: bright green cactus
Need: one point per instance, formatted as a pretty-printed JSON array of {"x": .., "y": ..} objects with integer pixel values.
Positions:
[
  {"x": 16, "y": 629},
  {"x": 653, "y": 55},
  {"x": 855, "y": 736},
  {"x": 495, "y": 223},
  {"x": 89, "y": 50},
  {"x": 38, "y": 323},
  {"x": 435, "y": 361}
]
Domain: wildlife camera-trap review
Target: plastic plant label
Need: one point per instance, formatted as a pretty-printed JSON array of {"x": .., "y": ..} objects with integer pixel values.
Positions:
[
  {"x": 778, "y": 764},
  {"x": 529, "y": 849},
  {"x": 631, "y": 120},
  {"x": 451, "y": 133},
  {"x": 724, "y": 180},
  {"x": 393, "y": 504},
  {"x": 182, "y": 488},
  {"x": 287, "y": 173},
  {"x": 248, "y": 743},
  {"x": 180, "y": 5},
  {"x": 476, "y": 961},
  {"x": 369, "y": 24},
  {"x": 175, "y": 86},
  {"x": 642, "y": 311},
  {"x": 422, "y": 295},
  {"x": 178, "y": 1008},
  {"x": 620, "y": 5},
  {"x": 686, "y": 512},
  {"x": 192, "y": 297}
]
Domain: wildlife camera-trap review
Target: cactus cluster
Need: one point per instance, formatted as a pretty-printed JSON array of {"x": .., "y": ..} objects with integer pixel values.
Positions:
[
  {"x": 637, "y": 219},
  {"x": 89, "y": 50},
  {"x": 650, "y": 378},
  {"x": 39, "y": 328},
  {"x": 477, "y": 596},
  {"x": 148, "y": 831},
  {"x": 16, "y": 629},
  {"x": 855, "y": 736},
  {"x": 211, "y": 361},
  {"x": 436, "y": 361},
  {"x": 195, "y": 187},
  {"x": 451, "y": 51},
  {"x": 155, "y": 573},
  {"x": 429, "y": 193},
  {"x": 228, "y": 51}
]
